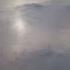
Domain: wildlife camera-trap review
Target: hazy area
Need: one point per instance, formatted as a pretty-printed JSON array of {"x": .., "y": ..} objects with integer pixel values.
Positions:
[
  {"x": 12, "y": 3},
  {"x": 34, "y": 36}
]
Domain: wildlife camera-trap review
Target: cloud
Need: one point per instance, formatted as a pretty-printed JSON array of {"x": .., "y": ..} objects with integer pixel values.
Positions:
[
  {"x": 45, "y": 25},
  {"x": 50, "y": 20}
]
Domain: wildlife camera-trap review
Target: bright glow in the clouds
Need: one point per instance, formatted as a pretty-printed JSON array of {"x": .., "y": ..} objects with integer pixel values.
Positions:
[{"x": 19, "y": 26}]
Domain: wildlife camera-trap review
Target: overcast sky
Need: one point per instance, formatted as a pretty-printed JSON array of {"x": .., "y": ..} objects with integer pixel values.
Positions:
[
  {"x": 12, "y": 3},
  {"x": 17, "y": 39}
]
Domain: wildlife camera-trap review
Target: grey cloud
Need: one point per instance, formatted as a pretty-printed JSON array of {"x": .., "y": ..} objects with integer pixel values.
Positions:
[{"x": 47, "y": 26}]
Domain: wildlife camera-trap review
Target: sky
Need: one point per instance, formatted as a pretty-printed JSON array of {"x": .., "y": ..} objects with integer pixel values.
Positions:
[
  {"x": 27, "y": 30},
  {"x": 13, "y": 3},
  {"x": 54, "y": 24}
]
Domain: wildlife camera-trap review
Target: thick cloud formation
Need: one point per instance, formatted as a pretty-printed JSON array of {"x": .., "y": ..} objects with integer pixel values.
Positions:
[
  {"x": 51, "y": 23},
  {"x": 35, "y": 37},
  {"x": 51, "y": 19}
]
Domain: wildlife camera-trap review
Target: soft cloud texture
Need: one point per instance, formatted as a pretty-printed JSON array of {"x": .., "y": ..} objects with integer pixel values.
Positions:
[{"x": 42, "y": 42}]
